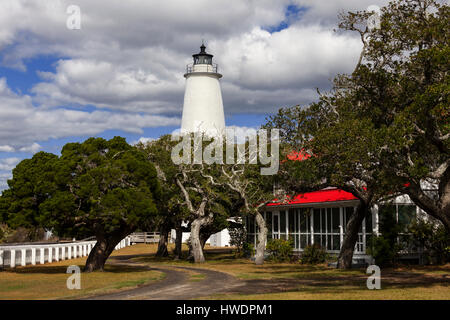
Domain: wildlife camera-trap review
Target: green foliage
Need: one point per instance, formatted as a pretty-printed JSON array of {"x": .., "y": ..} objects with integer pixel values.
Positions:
[
  {"x": 384, "y": 248},
  {"x": 96, "y": 187},
  {"x": 248, "y": 249},
  {"x": 433, "y": 238},
  {"x": 5, "y": 232},
  {"x": 383, "y": 128},
  {"x": 238, "y": 236},
  {"x": 314, "y": 254},
  {"x": 383, "y": 251},
  {"x": 279, "y": 250}
]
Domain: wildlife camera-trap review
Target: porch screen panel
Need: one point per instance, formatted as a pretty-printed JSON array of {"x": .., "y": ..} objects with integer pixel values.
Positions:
[
  {"x": 335, "y": 231},
  {"x": 406, "y": 214},
  {"x": 269, "y": 225},
  {"x": 292, "y": 230},
  {"x": 305, "y": 227},
  {"x": 317, "y": 227}
]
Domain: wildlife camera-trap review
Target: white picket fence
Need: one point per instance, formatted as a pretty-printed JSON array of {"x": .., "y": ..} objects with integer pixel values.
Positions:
[
  {"x": 144, "y": 237},
  {"x": 21, "y": 255}
]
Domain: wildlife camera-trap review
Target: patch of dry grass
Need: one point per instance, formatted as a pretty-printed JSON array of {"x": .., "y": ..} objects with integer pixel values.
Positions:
[
  {"x": 277, "y": 280},
  {"x": 48, "y": 281},
  {"x": 436, "y": 292},
  {"x": 320, "y": 281}
]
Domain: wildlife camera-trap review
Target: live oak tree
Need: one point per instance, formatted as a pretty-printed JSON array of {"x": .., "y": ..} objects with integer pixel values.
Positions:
[
  {"x": 98, "y": 187},
  {"x": 204, "y": 200},
  {"x": 33, "y": 180},
  {"x": 412, "y": 48},
  {"x": 254, "y": 191},
  {"x": 384, "y": 128},
  {"x": 171, "y": 212},
  {"x": 188, "y": 195}
]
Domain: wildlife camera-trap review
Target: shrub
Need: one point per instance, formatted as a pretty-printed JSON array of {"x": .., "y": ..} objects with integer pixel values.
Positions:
[
  {"x": 279, "y": 250},
  {"x": 314, "y": 254},
  {"x": 248, "y": 249},
  {"x": 383, "y": 250},
  {"x": 238, "y": 237},
  {"x": 433, "y": 238}
]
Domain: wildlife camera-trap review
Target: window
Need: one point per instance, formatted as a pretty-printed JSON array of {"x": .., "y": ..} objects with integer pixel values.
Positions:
[
  {"x": 406, "y": 214},
  {"x": 283, "y": 222},
  {"x": 304, "y": 218},
  {"x": 268, "y": 218}
]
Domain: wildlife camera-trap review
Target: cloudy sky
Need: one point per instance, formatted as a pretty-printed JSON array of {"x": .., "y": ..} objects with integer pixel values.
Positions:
[{"x": 122, "y": 72}]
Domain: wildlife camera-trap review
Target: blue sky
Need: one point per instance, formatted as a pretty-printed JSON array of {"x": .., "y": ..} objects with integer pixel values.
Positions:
[{"x": 122, "y": 72}]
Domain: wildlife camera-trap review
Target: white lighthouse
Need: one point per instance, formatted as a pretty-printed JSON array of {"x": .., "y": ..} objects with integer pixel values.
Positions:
[{"x": 203, "y": 106}]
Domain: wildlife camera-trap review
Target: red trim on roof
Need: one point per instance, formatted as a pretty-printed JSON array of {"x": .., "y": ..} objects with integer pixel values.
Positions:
[
  {"x": 298, "y": 155},
  {"x": 327, "y": 195}
]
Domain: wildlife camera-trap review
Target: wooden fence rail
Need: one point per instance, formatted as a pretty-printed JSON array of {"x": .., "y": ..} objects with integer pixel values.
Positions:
[{"x": 12, "y": 256}]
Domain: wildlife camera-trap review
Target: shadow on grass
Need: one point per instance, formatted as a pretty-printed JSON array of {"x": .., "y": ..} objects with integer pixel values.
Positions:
[{"x": 63, "y": 269}]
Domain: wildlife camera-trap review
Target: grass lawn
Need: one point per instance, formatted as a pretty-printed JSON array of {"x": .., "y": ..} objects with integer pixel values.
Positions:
[
  {"x": 269, "y": 281},
  {"x": 48, "y": 281},
  {"x": 297, "y": 281}
]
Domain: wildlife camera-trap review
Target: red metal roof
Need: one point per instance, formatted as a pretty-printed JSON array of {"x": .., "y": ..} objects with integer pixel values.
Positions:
[
  {"x": 326, "y": 195},
  {"x": 298, "y": 155}
]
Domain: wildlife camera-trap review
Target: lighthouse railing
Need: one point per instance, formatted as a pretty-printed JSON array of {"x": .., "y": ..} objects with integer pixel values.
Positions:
[{"x": 190, "y": 68}]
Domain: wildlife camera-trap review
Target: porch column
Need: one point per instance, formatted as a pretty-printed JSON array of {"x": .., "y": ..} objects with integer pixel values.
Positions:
[
  {"x": 42, "y": 256},
  {"x": 33, "y": 256},
  {"x": 341, "y": 225},
  {"x": 1, "y": 258},
  {"x": 69, "y": 252},
  {"x": 12, "y": 263},
  {"x": 50, "y": 254},
  {"x": 23, "y": 258},
  {"x": 63, "y": 253},
  {"x": 56, "y": 253}
]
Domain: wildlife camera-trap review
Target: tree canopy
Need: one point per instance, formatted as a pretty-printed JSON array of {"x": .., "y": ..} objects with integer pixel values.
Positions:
[
  {"x": 98, "y": 187},
  {"x": 383, "y": 129}
]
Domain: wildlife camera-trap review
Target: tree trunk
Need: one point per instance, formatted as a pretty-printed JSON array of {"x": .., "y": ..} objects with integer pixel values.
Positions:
[
  {"x": 162, "y": 244},
  {"x": 178, "y": 242},
  {"x": 204, "y": 236},
  {"x": 437, "y": 209},
  {"x": 196, "y": 246},
  {"x": 351, "y": 236},
  {"x": 262, "y": 235},
  {"x": 100, "y": 253}
]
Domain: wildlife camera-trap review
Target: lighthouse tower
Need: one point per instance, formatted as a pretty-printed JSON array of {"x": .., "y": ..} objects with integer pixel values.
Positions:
[{"x": 203, "y": 106}]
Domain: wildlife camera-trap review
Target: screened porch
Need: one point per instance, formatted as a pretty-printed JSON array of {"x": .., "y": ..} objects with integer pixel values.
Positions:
[{"x": 306, "y": 226}]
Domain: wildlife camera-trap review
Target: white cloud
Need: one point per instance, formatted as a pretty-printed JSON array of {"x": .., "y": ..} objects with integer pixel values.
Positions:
[
  {"x": 23, "y": 123},
  {"x": 6, "y": 148},
  {"x": 143, "y": 140},
  {"x": 33, "y": 148},
  {"x": 131, "y": 56},
  {"x": 7, "y": 164},
  {"x": 128, "y": 59}
]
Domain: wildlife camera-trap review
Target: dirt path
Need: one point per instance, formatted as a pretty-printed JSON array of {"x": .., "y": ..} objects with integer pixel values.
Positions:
[{"x": 177, "y": 284}]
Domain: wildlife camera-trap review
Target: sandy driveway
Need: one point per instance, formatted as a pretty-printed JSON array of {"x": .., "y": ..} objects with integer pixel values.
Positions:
[{"x": 177, "y": 284}]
